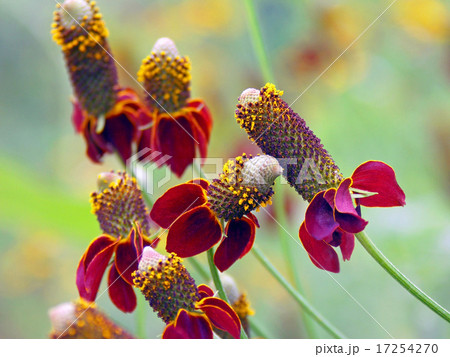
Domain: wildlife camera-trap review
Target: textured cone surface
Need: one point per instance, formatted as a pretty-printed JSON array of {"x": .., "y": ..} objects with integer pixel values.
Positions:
[
  {"x": 283, "y": 134},
  {"x": 166, "y": 284},
  {"x": 80, "y": 31},
  {"x": 82, "y": 320},
  {"x": 166, "y": 77},
  {"x": 120, "y": 205},
  {"x": 244, "y": 185}
]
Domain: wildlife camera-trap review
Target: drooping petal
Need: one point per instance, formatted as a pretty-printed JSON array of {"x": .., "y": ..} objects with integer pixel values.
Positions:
[
  {"x": 97, "y": 246},
  {"x": 202, "y": 115},
  {"x": 345, "y": 213},
  {"x": 175, "y": 137},
  {"x": 253, "y": 218},
  {"x": 205, "y": 291},
  {"x": 200, "y": 137},
  {"x": 319, "y": 219},
  {"x": 200, "y": 181},
  {"x": 188, "y": 325},
  {"x": 321, "y": 254},
  {"x": 347, "y": 245},
  {"x": 120, "y": 292},
  {"x": 240, "y": 235},
  {"x": 221, "y": 315},
  {"x": 194, "y": 232},
  {"x": 78, "y": 116},
  {"x": 119, "y": 132},
  {"x": 376, "y": 176},
  {"x": 176, "y": 201},
  {"x": 126, "y": 259}
]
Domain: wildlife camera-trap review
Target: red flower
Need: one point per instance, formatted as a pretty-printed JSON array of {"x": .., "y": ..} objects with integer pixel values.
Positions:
[
  {"x": 95, "y": 260},
  {"x": 180, "y": 124},
  {"x": 194, "y": 227},
  {"x": 178, "y": 134},
  {"x": 117, "y": 131},
  {"x": 216, "y": 313},
  {"x": 331, "y": 220}
]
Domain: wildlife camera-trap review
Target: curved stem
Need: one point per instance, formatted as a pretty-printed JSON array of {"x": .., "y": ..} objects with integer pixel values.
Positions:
[
  {"x": 255, "y": 33},
  {"x": 296, "y": 295},
  {"x": 398, "y": 275},
  {"x": 218, "y": 283}
]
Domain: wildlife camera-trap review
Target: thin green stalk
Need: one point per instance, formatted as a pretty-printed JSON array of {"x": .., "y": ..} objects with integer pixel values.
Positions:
[
  {"x": 218, "y": 283},
  {"x": 398, "y": 275},
  {"x": 255, "y": 33},
  {"x": 296, "y": 295},
  {"x": 282, "y": 222}
]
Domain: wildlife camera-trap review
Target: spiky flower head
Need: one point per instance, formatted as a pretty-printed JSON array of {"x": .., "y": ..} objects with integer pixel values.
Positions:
[
  {"x": 119, "y": 204},
  {"x": 82, "y": 320},
  {"x": 282, "y": 133},
  {"x": 166, "y": 77},
  {"x": 165, "y": 283},
  {"x": 244, "y": 185},
  {"x": 80, "y": 31}
]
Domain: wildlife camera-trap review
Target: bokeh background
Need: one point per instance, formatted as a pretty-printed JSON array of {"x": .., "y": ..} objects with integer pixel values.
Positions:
[{"x": 386, "y": 98}]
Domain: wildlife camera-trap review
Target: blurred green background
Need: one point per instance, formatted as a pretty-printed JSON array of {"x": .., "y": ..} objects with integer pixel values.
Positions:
[{"x": 386, "y": 98}]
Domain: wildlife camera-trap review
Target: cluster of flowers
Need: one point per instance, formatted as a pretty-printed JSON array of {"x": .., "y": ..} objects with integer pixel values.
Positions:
[{"x": 197, "y": 215}]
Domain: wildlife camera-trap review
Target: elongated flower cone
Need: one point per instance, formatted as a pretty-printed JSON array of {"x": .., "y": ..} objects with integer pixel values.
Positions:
[
  {"x": 283, "y": 134},
  {"x": 245, "y": 184},
  {"x": 82, "y": 320},
  {"x": 166, "y": 284},
  {"x": 80, "y": 31},
  {"x": 166, "y": 77},
  {"x": 119, "y": 204}
]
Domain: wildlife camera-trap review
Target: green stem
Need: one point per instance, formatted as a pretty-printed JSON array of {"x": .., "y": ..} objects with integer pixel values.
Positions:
[
  {"x": 398, "y": 275},
  {"x": 256, "y": 329},
  {"x": 296, "y": 295},
  {"x": 218, "y": 283},
  {"x": 282, "y": 222},
  {"x": 255, "y": 33}
]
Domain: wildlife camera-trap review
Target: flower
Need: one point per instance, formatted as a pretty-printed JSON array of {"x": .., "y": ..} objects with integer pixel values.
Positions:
[
  {"x": 107, "y": 115},
  {"x": 124, "y": 219},
  {"x": 331, "y": 219},
  {"x": 189, "y": 311},
  {"x": 81, "y": 320},
  {"x": 281, "y": 133},
  {"x": 191, "y": 211},
  {"x": 180, "y": 124}
]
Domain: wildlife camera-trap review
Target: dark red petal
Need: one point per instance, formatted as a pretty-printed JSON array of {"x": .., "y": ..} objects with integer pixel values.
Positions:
[
  {"x": 319, "y": 219},
  {"x": 96, "y": 146},
  {"x": 120, "y": 292},
  {"x": 239, "y": 240},
  {"x": 221, "y": 315},
  {"x": 205, "y": 291},
  {"x": 175, "y": 137},
  {"x": 94, "y": 248},
  {"x": 78, "y": 116},
  {"x": 119, "y": 132},
  {"x": 321, "y": 254},
  {"x": 137, "y": 239},
  {"x": 126, "y": 259},
  {"x": 176, "y": 201},
  {"x": 376, "y": 176},
  {"x": 200, "y": 181},
  {"x": 345, "y": 213},
  {"x": 347, "y": 245},
  {"x": 253, "y": 218},
  {"x": 202, "y": 115},
  {"x": 200, "y": 136},
  {"x": 194, "y": 232},
  {"x": 188, "y": 325}
]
